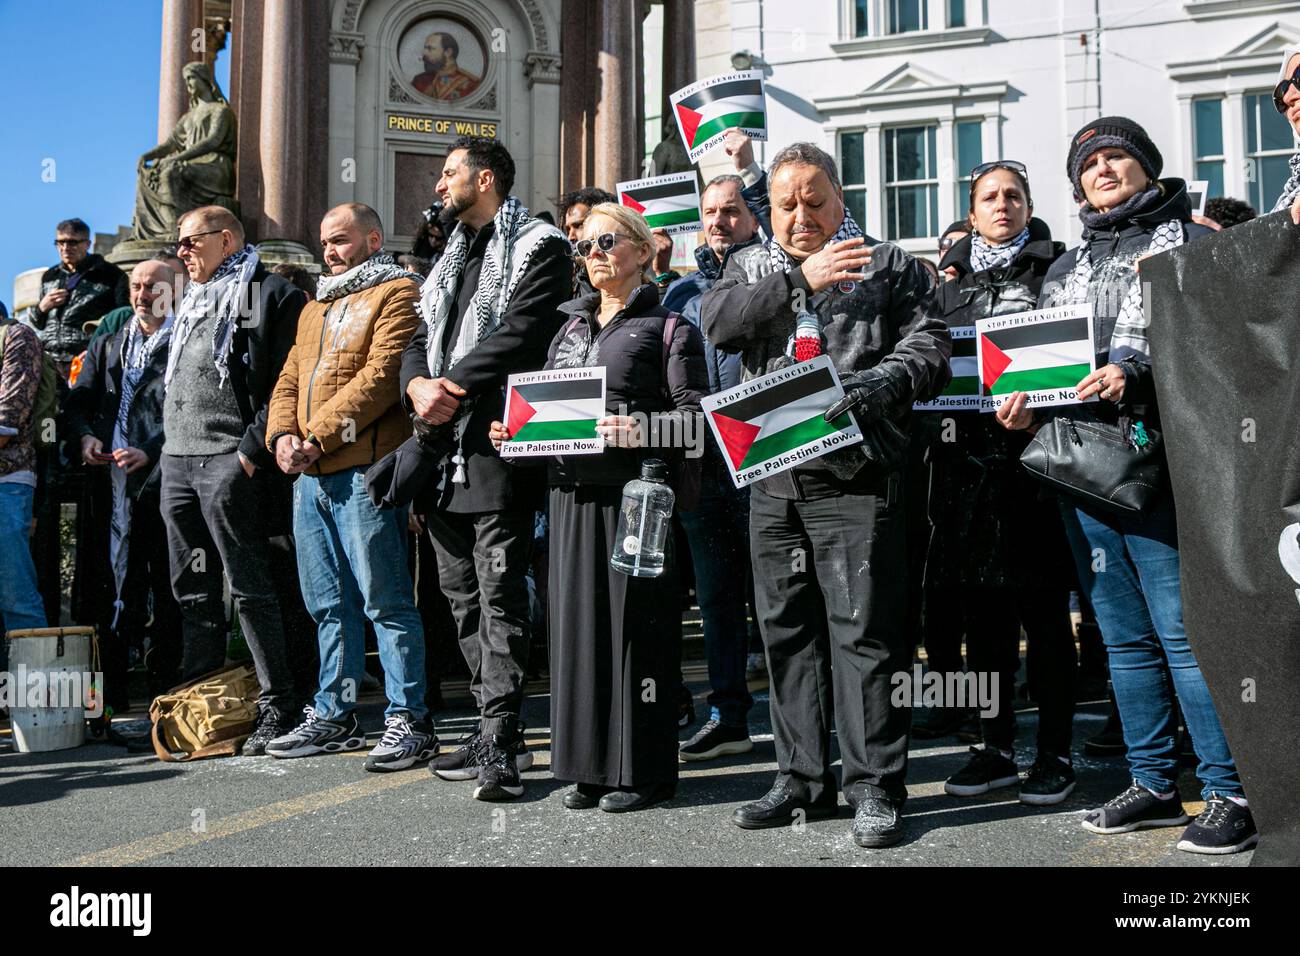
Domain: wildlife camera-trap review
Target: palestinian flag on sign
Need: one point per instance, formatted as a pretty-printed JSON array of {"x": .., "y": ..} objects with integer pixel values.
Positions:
[
  {"x": 716, "y": 108},
  {"x": 964, "y": 365},
  {"x": 555, "y": 411},
  {"x": 778, "y": 419},
  {"x": 1042, "y": 355},
  {"x": 663, "y": 201}
]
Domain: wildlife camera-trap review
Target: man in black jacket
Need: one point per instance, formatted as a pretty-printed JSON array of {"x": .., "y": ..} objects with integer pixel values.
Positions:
[
  {"x": 81, "y": 288},
  {"x": 115, "y": 411},
  {"x": 220, "y": 486},
  {"x": 490, "y": 308},
  {"x": 827, "y": 537}
]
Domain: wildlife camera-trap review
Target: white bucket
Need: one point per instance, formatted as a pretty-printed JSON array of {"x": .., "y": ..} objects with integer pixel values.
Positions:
[{"x": 48, "y": 670}]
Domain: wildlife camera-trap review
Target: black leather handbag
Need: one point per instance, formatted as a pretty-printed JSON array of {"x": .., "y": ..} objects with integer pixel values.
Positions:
[{"x": 1120, "y": 467}]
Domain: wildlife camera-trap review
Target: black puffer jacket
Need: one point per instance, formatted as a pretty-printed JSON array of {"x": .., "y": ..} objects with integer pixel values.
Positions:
[
  {"x": 631, "y": 348},
  {"x": 92, "y": 404},
  {"x": 97, "y": 287},
  {"x": 991, "y": 524},
  {"x": 886, "y": 320}
]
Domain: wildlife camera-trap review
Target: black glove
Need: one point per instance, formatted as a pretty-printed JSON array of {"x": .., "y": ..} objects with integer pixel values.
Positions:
[
  {"x": 871, "y": 395},
  {"x": 396, "y": 479}
]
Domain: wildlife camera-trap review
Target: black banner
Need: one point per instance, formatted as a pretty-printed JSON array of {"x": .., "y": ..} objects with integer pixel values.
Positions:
[{"x": 1225, "y": 339}]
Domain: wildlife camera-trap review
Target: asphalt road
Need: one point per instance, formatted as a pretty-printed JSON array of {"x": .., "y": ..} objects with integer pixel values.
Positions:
[{"x": 98, "y": 805}]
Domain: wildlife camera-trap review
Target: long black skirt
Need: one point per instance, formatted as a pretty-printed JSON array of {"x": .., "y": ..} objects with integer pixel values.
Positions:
[{"x": 616, "y": 646}]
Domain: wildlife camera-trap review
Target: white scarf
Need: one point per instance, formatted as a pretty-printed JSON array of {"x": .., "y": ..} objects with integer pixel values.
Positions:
[
  {"x": 137, "y": 354},
  {"x": 781, "y": 260},
  {"x": 378, "y": 269},
  {"x": 515, "y": 237},
  {"x": 984, "y": 255},
  {"x": 1130, "y": 331},
  {"x": 225, "y": 296}
]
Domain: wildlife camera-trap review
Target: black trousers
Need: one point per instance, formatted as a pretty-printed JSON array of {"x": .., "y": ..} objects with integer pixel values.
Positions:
[
  {"x": 483, "y": 562},
  {"x": 991, "y": 619},
  {"x": 830, "y": 582},
  {"x": 213, "y": 514}
]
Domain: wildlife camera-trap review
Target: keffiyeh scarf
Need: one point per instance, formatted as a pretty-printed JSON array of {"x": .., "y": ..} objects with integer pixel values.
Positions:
[
  {"x": 224, "y": 296},
  {"x": 984, "y": 255},
  {"x": 1130, "y": 333},
  {"x": 781, "y": 261},
  {"x": 138, "y": 351},
  {"x": 515, "y": 237},
  {"x": 378, "y": 269}
]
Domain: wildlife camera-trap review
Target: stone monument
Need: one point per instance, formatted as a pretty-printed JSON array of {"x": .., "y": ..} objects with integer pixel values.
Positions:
[{"x": 194, "y": 166}]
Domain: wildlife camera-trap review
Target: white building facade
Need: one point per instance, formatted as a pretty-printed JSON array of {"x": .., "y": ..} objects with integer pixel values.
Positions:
[{"x": 910, "y": 95}]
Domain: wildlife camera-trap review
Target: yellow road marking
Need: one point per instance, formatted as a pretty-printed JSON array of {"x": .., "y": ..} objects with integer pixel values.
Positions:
[{"x": 173, "y": 840}]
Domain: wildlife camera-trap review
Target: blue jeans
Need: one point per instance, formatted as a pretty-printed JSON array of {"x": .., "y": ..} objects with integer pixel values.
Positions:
[
  {"x": 1139, "y": 607},
  {"x": 352, "y": 565},
  {"x": 718, "y": 533},
  {"x": 20, "y": 601}
]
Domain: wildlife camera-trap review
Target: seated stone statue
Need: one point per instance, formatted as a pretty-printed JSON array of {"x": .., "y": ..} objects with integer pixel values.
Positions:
[{"x": 194, "y": 167}]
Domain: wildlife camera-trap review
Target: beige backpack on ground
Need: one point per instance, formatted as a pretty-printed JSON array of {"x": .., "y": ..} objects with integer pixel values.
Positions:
[{"x": 210, "y": 717}]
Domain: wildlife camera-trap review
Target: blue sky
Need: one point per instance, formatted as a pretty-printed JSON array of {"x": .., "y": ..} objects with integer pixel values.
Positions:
[{"x": 79, "y": 87}]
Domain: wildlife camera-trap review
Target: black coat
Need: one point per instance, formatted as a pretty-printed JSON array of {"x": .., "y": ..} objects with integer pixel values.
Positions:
[
  {"x": 99, "y": 288},
  {"x": 885, "y": 320},
  {"x": 92, "y": 405},
  {"x": 992, "y": 525},
  {"x": 631, "y": 349},
  {"x": 519, "y": 344},
  {"x": 258, "y": 349}
]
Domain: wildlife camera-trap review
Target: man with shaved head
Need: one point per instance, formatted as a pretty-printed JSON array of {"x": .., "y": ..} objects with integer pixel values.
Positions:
[
  {"x": 337, "y": 410},
  {"x": 222, "y": 496},
  {"x": 116, "y": 411}
]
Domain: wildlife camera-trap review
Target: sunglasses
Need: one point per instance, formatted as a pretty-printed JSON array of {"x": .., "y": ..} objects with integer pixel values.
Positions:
[
  {"x": 69, "y": 243},
  {"x": 1011, "y": 164},
  {"x": 1279, "y": 92},
  {"x": 605, "y": 242},
  {"x": 187, "y": 242}
]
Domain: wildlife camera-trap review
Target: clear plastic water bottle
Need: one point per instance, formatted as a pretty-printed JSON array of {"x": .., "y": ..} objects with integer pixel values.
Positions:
[{"x": 643, "y": 522}]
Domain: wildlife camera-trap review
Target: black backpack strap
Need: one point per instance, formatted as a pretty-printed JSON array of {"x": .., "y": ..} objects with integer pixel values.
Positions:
[{"x": 670, "y": 329}]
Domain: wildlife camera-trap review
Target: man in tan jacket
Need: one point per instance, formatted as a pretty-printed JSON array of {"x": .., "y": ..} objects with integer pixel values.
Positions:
[{"x": 336, "y": 410}]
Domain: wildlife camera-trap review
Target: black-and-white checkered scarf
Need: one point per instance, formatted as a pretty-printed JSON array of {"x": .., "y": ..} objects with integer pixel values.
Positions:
[
  {"x": 781, "y": 261},
  {"x": 984, "y": 255},
  {"x": 378, "y": 269},
  {"x": 225, "y": 296}
]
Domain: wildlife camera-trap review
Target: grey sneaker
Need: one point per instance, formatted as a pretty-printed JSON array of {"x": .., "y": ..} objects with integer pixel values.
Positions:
[
  {"x": 315, "y": 735},
  {"x": 404, "y": 744}
]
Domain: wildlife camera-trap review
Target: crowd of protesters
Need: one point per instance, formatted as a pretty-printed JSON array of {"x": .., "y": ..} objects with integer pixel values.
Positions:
[{"x": 328, "y": 450}]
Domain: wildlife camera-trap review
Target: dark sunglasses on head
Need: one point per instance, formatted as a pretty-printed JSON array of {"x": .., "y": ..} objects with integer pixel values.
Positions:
[
  {"x": 1011, "y": 164},
  {"x": 605, "y": 241},
  {"x": 187, "y": 242},
  {"x": 1279, "y": 91}
]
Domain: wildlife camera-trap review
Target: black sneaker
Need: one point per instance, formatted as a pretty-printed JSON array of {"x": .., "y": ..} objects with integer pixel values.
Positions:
[
  {"x": 1137, "y": 808},
  {"x": 986, "y": 770},
  {"x": 465, "y": 762},
  {"x": 1049, "y": 781},
  {"x": 877, "y": 822},
  {"x": 1222, "y": 827},
  {"x": 462, "y": 763},
  {"x": 404, "y": 744},
  {"x": 714, "y": 740},
  {"x": 271, "y": 723},
  {"x": 498, "y": 777},
  {"x": 315, "y": 735}
]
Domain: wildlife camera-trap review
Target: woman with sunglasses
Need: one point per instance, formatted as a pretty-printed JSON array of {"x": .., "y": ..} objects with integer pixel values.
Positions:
[
  {"x": 615, "y": 639},
  {"x": 996, "y": 547},
  {"x": 1286, "y": 100},
  {"x": 1129, "y": 565}
]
